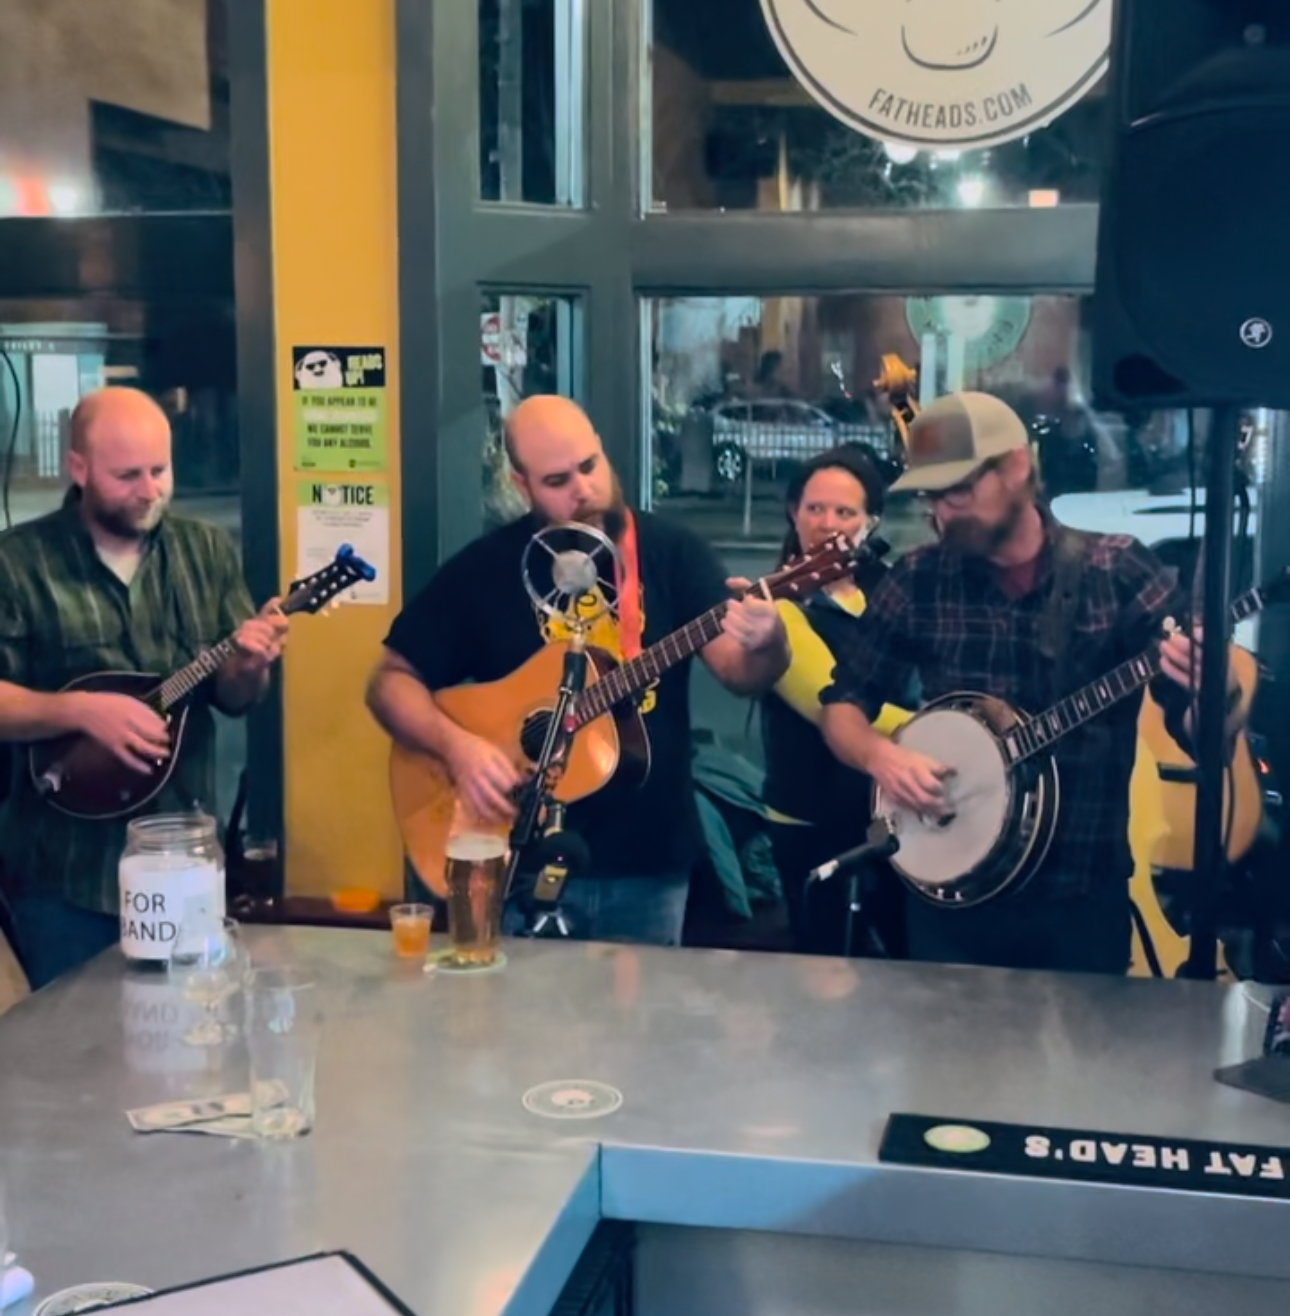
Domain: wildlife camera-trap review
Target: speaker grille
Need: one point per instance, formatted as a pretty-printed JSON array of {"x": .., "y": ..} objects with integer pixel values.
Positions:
[{"x": 1202, "y": 253}]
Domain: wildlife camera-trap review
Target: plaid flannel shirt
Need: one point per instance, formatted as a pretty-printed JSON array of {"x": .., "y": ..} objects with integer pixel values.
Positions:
[
  {"x": 942, "y": 620},
  {"x": 63, "y": 615}
]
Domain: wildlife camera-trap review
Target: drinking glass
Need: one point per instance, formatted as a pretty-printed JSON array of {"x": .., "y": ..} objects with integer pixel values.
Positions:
[
  {"x": 208, "y": 961},
  {"x": 410, "y": 925},
  {"x": 283, "y": 1028},
  {"x": 475, "y": 879}
]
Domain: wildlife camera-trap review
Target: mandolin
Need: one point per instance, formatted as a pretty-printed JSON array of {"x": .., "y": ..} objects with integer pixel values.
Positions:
[
  {"x": 610, "y": 735},
  {"x": 79, "y": 777}
]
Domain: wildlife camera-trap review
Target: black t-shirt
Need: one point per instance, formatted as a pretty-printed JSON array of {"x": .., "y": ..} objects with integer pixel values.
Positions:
[{"x": 474, "y": 621}]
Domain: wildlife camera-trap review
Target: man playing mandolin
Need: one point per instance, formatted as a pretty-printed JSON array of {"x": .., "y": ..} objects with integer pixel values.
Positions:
[
  {"x": 475, "y": 622},
  {"x": 112, "y": 581},
  {"x": 1008, "y": 604}
]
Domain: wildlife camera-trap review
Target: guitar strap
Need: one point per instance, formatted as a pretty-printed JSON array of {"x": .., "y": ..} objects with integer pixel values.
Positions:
[
  {"x": 631, "y": 625},
  {"x": 1057, "y": 625}
]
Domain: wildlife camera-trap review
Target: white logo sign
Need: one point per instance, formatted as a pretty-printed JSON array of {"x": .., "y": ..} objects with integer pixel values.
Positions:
[
  {"x": 943, "y": 73},
  {"x": 1256, "y": 332}
]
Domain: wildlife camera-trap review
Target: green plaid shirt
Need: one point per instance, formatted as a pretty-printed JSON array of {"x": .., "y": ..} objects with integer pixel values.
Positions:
[{"x": 64, "y": 614}]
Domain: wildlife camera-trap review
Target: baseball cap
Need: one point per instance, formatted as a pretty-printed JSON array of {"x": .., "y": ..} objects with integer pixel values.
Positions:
[{"x": 953, "y": 437}]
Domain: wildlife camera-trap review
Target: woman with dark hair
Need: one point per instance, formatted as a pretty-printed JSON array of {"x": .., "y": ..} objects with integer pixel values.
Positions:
[{"x": 825, "y": 804}]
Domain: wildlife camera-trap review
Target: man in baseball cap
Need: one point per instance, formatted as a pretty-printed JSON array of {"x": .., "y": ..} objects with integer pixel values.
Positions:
[
  {"x": 970, "y": 457},
  {"x": 1011, "y": 606},
  {"x": 955, "y": 437}
]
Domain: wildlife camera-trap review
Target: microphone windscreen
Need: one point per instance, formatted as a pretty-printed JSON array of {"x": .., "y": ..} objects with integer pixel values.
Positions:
[{"x": 574, "y": 572}]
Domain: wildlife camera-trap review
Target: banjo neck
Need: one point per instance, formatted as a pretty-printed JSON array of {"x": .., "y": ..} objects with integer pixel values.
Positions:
[{"x": 1038, "y": 734}]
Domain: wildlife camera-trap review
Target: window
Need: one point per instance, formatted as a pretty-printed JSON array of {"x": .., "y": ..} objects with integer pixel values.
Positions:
[
  {"x": 733, "y": 129},
  {"x": 528, "y": 344},
  {"x": 744, "y": 388},
  {"x": 183, "y": 357},
  {"x": 109, "y": 109},
  {"x": 531, "y": 95}
]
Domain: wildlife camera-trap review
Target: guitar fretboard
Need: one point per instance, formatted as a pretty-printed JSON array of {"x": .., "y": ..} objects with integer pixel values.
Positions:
[
  {"x": 1039, "y": 733},
  {"x": 187, "y": 679},
  {"x": 632, "y": 677}
]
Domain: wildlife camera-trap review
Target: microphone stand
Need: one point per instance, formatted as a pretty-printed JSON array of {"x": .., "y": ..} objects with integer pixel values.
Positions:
[
  {"x": 546, "y": 911},
  {"x": 880, "y": 842},
  {"x": 1209, "y": 709},
  {"x": 537, "y": 800}
]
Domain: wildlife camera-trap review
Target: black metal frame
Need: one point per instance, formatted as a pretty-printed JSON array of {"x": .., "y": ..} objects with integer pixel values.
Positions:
[
  {"x": 257, "y": 383},
  {"x": 453, "y": 245}
]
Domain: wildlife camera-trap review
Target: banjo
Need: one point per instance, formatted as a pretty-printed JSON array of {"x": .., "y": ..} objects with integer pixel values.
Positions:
[{"x": 1003, "y": 797}]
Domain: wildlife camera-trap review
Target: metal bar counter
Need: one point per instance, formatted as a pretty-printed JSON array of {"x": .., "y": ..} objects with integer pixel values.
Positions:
[{"x": 756, "y": 1088}]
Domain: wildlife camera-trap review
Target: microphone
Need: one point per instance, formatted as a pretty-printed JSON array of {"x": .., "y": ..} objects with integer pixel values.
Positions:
[
  {"x": 880, "y": 841},
  {"x": 573, "y": 572}
]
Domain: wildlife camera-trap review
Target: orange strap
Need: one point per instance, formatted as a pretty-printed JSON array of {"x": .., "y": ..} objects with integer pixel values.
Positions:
[{"x": 628, "y": 582}]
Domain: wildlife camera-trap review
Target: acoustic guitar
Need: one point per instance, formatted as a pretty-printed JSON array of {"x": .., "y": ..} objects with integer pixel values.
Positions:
[
  {"x": 1242, "y": 790},
  {"x": 1163, "y": 821},
  {"x": 79, "y": 777},
  {"x": 610, "y": 735},
  {"x": 1159, "y": 949}
]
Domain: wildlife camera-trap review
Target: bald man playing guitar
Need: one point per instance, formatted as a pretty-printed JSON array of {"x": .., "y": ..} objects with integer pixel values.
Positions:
[{"x": 475, "y": 622}]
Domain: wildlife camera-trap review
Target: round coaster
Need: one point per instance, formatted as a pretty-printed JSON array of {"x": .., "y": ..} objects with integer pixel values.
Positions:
[
  {"x": 956, "y": 1138},
  {"x": 573, "y": 1099},
  {"x": 85, "y": 1297},
  {"x": 443, "y": 961}
]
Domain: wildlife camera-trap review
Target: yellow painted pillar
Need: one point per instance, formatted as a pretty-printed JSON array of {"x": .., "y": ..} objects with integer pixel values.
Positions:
[{"x": 331, "y": 93}]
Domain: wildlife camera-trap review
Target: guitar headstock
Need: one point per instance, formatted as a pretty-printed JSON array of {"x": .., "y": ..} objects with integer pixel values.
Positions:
[
  {"x": 315, "y": 592},
  {"x": 803, "y": 576},
  {"x": 899, "y": 382}
]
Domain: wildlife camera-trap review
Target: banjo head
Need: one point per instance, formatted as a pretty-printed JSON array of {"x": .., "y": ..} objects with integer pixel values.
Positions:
[{"x": 937, "y": 852}]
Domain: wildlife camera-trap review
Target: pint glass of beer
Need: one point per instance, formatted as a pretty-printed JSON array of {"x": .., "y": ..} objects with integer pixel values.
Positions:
[{"x": 475, "y": 882}]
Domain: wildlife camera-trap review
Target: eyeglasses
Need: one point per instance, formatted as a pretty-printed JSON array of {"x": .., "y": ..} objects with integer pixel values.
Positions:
[{"x": 958, "y": 494}]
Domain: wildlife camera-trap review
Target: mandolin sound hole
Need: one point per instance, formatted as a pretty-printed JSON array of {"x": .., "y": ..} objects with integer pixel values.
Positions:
[{"x": 533, "y": 734}]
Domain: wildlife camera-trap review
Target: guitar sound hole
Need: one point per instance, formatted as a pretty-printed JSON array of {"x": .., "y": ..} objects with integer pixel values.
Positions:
[{"x": 533, "y": 734}]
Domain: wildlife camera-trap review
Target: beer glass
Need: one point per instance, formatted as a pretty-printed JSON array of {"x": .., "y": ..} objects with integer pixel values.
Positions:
[{"x": 475, "y": 883}]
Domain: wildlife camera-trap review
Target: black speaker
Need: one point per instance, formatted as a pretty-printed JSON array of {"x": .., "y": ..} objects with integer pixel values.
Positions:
[{"x": 1192, "y": 298}]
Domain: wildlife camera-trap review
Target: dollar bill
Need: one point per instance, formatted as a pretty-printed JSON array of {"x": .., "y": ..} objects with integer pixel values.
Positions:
[
  {"x": 180, "y": 1114},
  {"x": 227, "y": 1126},
  {"x": 230, "y": 1115}
]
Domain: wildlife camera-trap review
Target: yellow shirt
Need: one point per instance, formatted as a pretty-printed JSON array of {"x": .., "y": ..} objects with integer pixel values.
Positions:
[{"x": 810, "y": 671}]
